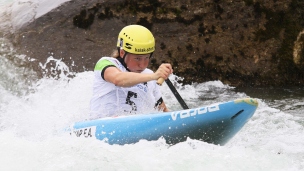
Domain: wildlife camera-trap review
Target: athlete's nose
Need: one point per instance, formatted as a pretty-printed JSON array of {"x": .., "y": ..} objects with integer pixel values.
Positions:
[{"x": 141, "y": 63}]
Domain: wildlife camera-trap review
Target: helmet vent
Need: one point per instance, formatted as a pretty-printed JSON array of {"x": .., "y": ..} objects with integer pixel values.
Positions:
[{"x": 127, "y": 36}]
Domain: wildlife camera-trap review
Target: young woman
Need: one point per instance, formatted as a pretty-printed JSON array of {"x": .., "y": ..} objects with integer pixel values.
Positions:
[{"x": 123, "y": 84}]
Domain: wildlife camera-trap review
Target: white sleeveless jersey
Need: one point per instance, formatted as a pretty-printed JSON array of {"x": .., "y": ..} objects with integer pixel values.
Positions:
[{"x": 111, "y": 100}]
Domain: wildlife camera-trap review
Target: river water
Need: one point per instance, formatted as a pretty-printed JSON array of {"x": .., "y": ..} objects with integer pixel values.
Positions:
[{"x": 34, "y": 112}]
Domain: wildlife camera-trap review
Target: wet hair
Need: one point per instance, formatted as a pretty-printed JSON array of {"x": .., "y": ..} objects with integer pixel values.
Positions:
[{"x": 115, "y": 54}]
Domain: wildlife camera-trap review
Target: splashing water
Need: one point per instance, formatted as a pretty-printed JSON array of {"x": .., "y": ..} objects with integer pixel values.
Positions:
[{"x": 31, "y": 128}]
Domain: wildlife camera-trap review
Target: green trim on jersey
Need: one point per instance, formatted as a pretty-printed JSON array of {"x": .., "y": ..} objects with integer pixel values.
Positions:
[{"x": 100, "y": 65}]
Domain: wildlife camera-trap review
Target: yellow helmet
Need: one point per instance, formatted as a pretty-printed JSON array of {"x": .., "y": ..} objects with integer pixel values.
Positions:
[{"x": 136, "y": 39}]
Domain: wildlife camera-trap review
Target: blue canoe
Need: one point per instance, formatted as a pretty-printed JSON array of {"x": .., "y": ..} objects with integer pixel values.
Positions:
[{"x": 215, "y": 124}]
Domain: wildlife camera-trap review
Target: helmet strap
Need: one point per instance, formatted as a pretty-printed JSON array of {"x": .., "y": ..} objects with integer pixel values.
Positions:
[
  {"x": 122, "y": 59},
  {"x": 151, "y": 55}
]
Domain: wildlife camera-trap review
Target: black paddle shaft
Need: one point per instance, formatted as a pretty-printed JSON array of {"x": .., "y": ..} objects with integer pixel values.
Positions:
[{"x": 176, "y": 94}]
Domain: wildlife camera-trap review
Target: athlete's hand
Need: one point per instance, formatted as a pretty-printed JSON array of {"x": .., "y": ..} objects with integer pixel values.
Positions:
[{"x": 163, "y": 71}]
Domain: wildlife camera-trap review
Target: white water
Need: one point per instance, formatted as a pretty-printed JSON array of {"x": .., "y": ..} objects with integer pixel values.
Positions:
[
  {"x": 33, "y": 115},
  {"x": 16, "y": 13}
]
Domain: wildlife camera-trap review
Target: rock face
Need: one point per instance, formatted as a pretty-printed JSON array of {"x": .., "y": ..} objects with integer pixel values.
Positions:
[{"x": 241, "y": 43}]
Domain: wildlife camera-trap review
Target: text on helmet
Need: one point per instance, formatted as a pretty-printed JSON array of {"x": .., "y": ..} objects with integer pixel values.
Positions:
[{"x": 144, "y": 49}]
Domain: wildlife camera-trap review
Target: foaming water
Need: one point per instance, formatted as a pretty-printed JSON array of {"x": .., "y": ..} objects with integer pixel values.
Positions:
[
  {"x": 15, "y": 75},
  {"x": 14, "y": 14},
  {"x": 32, "y": 134}
]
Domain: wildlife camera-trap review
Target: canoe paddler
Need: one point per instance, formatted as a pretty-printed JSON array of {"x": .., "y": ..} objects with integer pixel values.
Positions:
[{"x": 122, "y": 83}]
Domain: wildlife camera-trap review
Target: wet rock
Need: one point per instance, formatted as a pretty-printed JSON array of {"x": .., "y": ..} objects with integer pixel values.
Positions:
[
  {"x": 241, "y": 43},
  {"x": 298, "y": 51}
]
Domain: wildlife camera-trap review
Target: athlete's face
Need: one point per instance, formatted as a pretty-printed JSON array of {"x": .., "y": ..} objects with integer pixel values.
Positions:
[{"x": 137, "y": 63}]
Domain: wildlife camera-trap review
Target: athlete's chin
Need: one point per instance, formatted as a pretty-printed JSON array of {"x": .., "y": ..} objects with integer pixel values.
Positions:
[{"x": 138, "y": 71}]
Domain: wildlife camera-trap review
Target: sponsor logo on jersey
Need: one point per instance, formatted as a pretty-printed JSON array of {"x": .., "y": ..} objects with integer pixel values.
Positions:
[
  {"x": 193, "y": 112},
  {"x": 143, "y": 87}
]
